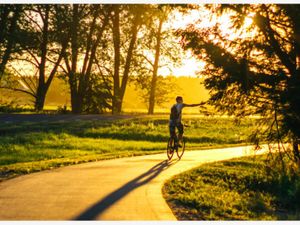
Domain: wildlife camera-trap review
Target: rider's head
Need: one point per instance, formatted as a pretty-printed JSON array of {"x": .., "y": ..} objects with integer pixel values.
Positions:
[{"x": 179, "y": 99}]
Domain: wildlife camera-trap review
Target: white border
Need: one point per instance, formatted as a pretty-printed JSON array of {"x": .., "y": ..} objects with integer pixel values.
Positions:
[{"x": 147, "y": 2}]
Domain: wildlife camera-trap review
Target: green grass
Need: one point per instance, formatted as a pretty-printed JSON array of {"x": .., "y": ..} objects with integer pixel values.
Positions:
[
  {"x": 238, "y": 189},
  {"x": 32, "y": 146}
]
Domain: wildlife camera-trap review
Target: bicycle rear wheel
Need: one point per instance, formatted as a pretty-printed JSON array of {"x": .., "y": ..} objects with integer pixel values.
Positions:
[
  {"x": 180, "y": 150},
  {"x": 170, "y": 148}
]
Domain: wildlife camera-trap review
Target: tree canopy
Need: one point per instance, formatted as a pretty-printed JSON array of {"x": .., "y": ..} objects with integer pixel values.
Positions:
[{"x": 258, "y": 71}]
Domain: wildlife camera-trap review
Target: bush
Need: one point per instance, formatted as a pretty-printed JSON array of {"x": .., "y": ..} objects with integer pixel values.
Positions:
[{"x": 10, "y": 107}]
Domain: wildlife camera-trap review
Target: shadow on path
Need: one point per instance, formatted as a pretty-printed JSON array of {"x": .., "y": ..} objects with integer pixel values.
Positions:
[{"x": 99, "y": 207}]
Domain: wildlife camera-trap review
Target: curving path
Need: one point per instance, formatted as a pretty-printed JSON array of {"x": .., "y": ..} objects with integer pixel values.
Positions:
[{"x": 119, "y": 189}]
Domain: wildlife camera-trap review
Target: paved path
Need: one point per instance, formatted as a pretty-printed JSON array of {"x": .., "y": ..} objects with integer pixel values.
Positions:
[{"x": 120, "y": 189}]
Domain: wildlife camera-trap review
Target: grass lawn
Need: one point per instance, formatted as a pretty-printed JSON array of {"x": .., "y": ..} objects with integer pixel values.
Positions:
[
  {"x": 238, "y": 189},
  {"x": 33, "y": 146}
]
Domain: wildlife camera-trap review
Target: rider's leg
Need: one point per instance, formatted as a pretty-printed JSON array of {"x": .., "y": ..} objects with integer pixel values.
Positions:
[
  {"x": 180, "y": 133},
  {"x": 172, "y": 132}
]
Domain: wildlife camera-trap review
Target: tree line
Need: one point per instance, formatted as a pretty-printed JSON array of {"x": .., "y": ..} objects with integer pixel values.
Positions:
[{"x": 97, "y": 49}]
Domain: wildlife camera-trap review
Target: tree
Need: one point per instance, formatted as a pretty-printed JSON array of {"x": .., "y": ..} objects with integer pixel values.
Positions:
[
  {"x": 158, "y": 44},
  {"x": 167, "y": 86},
  {"x": 122, "y": 66},
  {"x": 40, "y": 50},
  {"x": 255, "y": 73},
  {"x": 87, "y": 24},
  {"x": 123, "y": 57},
  {"x": 9, "y": 26},
  {"x": 47, "y": 52},
  {"x": 155, "y": 65}
]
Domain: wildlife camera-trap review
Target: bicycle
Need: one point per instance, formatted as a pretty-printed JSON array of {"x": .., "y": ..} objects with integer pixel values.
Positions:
[{"x": 173, "y": 146}]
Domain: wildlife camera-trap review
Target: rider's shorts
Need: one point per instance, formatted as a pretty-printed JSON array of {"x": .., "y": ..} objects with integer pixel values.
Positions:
[{"x": 173, "y": 125}]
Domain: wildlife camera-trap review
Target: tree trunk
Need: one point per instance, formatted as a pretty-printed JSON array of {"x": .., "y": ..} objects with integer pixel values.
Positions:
[
  {"x": 76, "y": 108},
  {"x": 40, "y": 98},
  {"x": 76, "y": 102},
  {"x": 296, "y": 143},
  {"x": 119, "y": 92},
  {"x": 155, "y": 69},
  {"x": 41, "y": 88},
  {"x": 79, "y": 80},
  {"x": 116, "y": 39},
  {"x": 44, "y": 84},
  {"x": 129, "y": 56}
]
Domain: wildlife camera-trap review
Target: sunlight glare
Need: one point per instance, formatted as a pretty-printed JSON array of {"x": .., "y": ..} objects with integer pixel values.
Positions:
[{"x": 202, "y": 18}]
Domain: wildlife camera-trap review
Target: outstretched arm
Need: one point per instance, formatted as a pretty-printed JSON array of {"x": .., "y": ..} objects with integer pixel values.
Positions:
[{"x": 192, "y": 105}]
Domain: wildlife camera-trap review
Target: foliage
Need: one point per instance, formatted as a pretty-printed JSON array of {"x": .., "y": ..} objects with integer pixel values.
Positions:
[
  {"x": 257, "y": 72},
  {"x": 10, "y": 33},
  {"x": 62, "y": 110},
  {"x": 11, "y": 107},
  {"x": 238, "y": 189},
  {"x": 97, "y": 96},
  {"x": 165, "y": 87}
]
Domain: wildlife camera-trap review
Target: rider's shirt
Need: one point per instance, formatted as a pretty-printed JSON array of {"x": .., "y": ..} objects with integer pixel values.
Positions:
[{"x": 179, "y": 107}]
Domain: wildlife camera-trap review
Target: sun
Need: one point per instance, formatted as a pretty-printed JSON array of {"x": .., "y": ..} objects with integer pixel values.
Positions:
[{"x": 202, "y": 18}]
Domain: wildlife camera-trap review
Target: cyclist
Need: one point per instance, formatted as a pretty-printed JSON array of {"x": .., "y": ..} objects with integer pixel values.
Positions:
[{"x": 175, "y": 118}]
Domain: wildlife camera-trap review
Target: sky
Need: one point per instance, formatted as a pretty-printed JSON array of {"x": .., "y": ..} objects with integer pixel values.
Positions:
[
  {"x": 201, "y": 18},
  {"x": 190, "y": 65}
]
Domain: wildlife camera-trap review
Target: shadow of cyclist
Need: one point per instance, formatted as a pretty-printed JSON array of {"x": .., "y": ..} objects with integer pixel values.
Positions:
[{"x": 99, "y": 207}]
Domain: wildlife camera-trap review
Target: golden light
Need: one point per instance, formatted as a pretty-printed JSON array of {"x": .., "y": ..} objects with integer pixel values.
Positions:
[{"x": 202, "y": 18}]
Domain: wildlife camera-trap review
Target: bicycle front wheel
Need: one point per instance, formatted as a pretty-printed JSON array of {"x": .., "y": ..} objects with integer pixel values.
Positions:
[
  {"x": 180, "y": 150},
  {"x": 170, "y": 148}
]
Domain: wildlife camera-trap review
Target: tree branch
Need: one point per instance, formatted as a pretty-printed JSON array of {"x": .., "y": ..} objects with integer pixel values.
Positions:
[{"x": 20, "y": 90}]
